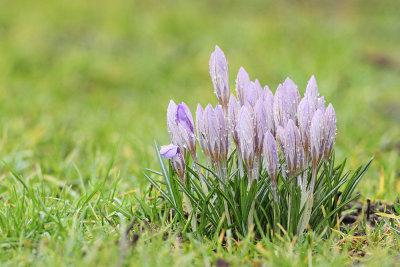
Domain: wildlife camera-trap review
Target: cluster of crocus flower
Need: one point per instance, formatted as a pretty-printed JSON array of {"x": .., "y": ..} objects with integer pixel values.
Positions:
[{"x": 279, "y": 133}]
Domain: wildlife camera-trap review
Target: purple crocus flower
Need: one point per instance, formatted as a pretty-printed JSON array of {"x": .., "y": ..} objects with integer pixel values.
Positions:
[
  {"x": 242, "y": 84},
  {"x": 169, "y": 151},
  {"x": 312, "y": 89},
  {"x": 173, "y": 153},
  {"x": 233, "y": 110},
  {"x": 317, "y": 134},
  {"x": 246, "y": 138},
  {"x": 271, "y": 159},
  {"x": 294, "y": 150},
  {"x": 212, "y": 130},
  {"x": 185, "y": 123},
  {"x": 330, "y": 130},
  {"x": 223, "y": 133},
  {"x": 304, "y": 116},
  {"x": 286, "y": 99},
  {"x": 201, "y": 133},
  {"x": 220, "y": 76},
  {"x": 173, "y": 129},
  {"x": 260, "y": 126},
  {"x": 268, "y": 102},
  {"x": 280, "y": 107}
]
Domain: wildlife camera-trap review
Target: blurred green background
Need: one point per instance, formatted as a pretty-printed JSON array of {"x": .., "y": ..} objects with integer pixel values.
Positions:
[{"x": 77, "y": 77}]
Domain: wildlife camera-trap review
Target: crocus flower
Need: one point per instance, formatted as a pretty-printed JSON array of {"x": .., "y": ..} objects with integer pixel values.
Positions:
[
  {"x": 317, "y": 134},
  {"x": 304, "y": 115},
  {"x": 223, "y": 134},
  {"x": 201, "y": 133},
  {"x": 185, "y": 123},
  {"x": 312, "y": 89},
  {"x": 268, "y": 101},
  {"x": 246, "y": 138},
  {"x": 173, "y": 128},
  {"x": 233, "y": 110},
  {"x": 242, "y": 83},
  {"x": 173, "y": 153},
  {"x": 286, "y": 99},
  {"x": 271, "y": 160},
  {"x": 294, "y": 150},
  {"x": 260, "y": 125},
  {"x": 220, "y": 76},
  {"x": 212, "y": 129},
  {"x": 330, "y": 130}
]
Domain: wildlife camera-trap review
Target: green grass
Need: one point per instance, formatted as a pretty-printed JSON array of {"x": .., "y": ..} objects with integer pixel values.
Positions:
[{"x": 84, "y": 86}]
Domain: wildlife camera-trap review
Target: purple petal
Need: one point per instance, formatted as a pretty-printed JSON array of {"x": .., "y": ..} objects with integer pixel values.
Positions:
[
  {"x": 184, "y": 117},
  {"x": 330, "y": 130},
  {"x": 271, "y": 160},
  {"x": 317, "y": 131},
  {"x": 220, "y": 75},
  {"x": 242, "y": 83},
  {"x": 293, "y": 148},
  {"x": 233, "y": 110},
  {"x": 169, "y": 151}
]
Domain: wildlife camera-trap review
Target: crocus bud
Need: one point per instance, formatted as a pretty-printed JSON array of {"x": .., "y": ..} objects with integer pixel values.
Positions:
[
  {"x": 271, "y": 160},
  {"x": 223, "y": 133},
  {"x": 317, "y": 132},
  {"x": 304, "y": 116},
  {"x": 294, "y": 150},
  {"x": 233, "y": 110},
  {"x": 186, "y": 127},
  {"x": 292, "y": 98},
  {"x": 330, "y": 130},
  {"x": 312, "y": 89},
  {"x": 201, "y": 131},
  {"x": 242, "y": 83},
  {"x": 246, "y": 137},
  {"x": 212, "y": 129},
  {"x": 173, "y": 153},
  {"x": 280, "y": 108},
  {"x": 173, "y": 129},
  {"x": 260, "y": 125},
  {"x": 220, "y": 76},
  {"x": 268, "y": 101}
]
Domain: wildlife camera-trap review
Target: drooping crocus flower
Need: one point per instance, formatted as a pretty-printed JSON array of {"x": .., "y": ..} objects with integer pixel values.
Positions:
[
  {"x": 173, "y": 153},
  {"x": 173, "y": 129},
  {"x": 330, "y": 131},
  {"x": 242, "y": 84},
  {"x": 294, "y": 150},
  {"x": 185, "y": 123},
  {"x": 271, "y": 160},
  {"x": 246, "y": 139},
  {"x": 219, "y": 73}
]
